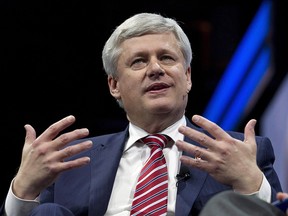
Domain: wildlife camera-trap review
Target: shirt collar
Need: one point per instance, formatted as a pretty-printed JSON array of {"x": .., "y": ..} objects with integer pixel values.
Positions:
[{"x": 135, "y": 133}]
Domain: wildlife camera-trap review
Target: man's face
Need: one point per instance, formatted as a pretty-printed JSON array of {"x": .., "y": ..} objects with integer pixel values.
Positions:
[{"x": 152, "y": 77}]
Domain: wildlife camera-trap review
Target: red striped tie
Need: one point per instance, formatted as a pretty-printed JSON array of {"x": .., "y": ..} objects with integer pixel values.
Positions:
[{"x": 151, "y": 192}]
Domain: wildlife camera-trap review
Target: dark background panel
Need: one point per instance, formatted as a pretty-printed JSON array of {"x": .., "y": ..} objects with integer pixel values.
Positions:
[{"x": 50, "y": 61}]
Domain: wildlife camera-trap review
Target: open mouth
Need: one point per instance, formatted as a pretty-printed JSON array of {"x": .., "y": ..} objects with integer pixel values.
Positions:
[{"x": 157, "y": 87}]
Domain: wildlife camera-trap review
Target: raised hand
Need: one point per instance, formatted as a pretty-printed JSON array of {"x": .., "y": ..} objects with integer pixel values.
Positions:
[
  {"x": 43, "y": 157},
  {"x": 229, "y": 160}
]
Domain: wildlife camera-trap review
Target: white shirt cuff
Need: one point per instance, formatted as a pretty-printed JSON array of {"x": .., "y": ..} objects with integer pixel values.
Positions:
[
  {"x": 264, "y": 192},
  {"x": 15, "y": 206}
]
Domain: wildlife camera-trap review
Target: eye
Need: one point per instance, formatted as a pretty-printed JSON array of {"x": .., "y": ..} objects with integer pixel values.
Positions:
[
  {"x": 167, "y": 59},
  {"x": 138, "y": 63}
]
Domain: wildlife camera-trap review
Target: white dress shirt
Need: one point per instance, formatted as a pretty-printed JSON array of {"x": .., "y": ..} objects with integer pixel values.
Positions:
[{"x": 133, "y": 158}]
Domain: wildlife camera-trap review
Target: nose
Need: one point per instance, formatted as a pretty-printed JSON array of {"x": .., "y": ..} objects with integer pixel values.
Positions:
[{"x": 155, "y": 70}]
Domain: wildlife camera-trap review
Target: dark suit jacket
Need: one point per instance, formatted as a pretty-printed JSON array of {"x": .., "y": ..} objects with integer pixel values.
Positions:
[{"x": 86, "y": 190}]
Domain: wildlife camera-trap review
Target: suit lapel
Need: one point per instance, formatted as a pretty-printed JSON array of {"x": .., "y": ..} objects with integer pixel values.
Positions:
[
  {"x": 107, "y": 152},
  {"x": 188, "y": 190}
]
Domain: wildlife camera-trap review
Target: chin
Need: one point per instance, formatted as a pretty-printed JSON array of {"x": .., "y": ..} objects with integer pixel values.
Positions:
[{"x": 163, "y": 107}]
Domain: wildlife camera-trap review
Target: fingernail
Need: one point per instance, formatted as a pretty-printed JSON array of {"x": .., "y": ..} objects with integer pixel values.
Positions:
[
  {"x": 195, "y": 118},
  {"x": 182, "y": 129}
]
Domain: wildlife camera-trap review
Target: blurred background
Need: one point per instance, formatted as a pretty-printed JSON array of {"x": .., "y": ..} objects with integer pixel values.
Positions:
[{"x": 51, "y": 67}]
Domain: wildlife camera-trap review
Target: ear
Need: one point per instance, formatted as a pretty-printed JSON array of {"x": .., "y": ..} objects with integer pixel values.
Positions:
[
  {"x": 189, "y": 81},
  {"x": 113, "y": 87}
]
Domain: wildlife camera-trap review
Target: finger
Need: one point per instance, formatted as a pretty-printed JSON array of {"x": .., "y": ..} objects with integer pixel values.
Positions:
[
  {"x": 53, "y": 130},
  {"x": 65, "y": 138},
  {"x": 74, "y": 149},
  {"x": 197, "y": 136},
  {"x": 249, "y": 131},
  {"x": 216, "y": 131},
  {"x": 196, "y": 151},
  {"x": 195, "y": 162},
  {"x": 30, "y": 134},
  {"x": 281, "y": 195},
  {"x": 68, "y": 165}
]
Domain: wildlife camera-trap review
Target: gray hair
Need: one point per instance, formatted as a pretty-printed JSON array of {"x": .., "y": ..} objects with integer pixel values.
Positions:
[{"x": 138, "y": 25}]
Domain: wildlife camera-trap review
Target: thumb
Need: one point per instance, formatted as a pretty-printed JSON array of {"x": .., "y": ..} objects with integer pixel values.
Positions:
[
  {"x": 249, "y": 131},
  {"x": 30, "y": 134}
]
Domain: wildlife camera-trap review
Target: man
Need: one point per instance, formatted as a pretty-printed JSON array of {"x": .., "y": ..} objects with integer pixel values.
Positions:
[{"x": 147, "y": 59}]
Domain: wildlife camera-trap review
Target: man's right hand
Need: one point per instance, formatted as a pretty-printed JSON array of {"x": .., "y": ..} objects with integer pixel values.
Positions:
[{"x": 43, "y": 157}]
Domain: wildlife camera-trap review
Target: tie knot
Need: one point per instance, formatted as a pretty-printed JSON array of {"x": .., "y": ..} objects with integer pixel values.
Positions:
[{"x": 156, "y": 140}]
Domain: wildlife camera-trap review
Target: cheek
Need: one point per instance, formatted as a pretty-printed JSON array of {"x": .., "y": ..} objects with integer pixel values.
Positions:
[
  {"x": 182, "y": 81},
  {"x": 129, "y": 84}
]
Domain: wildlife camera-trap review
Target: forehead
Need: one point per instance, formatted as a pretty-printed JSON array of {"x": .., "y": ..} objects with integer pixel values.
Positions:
[{"x": 149, "y": 42}]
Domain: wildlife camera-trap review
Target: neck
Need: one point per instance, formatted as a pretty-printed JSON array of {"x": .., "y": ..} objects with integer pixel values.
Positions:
[{"x": 155, "y": 124}]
